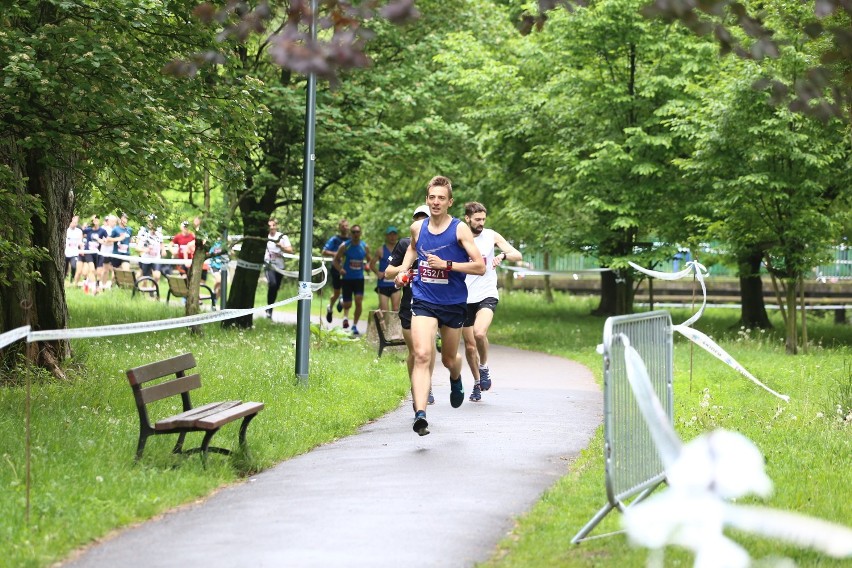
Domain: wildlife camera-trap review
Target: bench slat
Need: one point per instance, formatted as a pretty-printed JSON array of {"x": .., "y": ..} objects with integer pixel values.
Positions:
[
  {"x": 218, "y": 419},
  {"x": 190, "y": 418},
  {"x": 171, "y": 387},
  {"x": 152, "y": 371}
]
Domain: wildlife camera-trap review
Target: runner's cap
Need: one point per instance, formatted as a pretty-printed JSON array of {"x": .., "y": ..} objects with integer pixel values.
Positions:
[
  {"x": 424, "y": 209},
  {"x": 391, "y": 229}
]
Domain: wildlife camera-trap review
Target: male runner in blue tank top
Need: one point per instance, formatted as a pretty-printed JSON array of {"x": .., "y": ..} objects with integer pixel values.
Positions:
[{"x": 443, "y": 247}]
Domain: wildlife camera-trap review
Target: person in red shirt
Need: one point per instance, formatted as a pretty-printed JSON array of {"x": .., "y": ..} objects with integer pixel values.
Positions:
[{"x": 183, "y": 245}]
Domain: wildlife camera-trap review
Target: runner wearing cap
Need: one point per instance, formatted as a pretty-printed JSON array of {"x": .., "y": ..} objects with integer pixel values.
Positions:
[
  {"x": 389, "y": 294},
  {"x": 395, "y": 267}
]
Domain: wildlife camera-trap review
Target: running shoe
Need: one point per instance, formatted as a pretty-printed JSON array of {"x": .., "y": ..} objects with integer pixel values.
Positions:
[
  {"x": 485, "y": 378},
  {"x": 355, "y": 332},
  {"x": 476, "y": 395},
  {"x": 431, "y": 399},
  {"x": 340, "y": 305},
  {"x": 421, "y": 426},
  {"x": 328, "y": 315},
  {"x": 456, "y": 392},
  {"x": 345, "y": 323}
]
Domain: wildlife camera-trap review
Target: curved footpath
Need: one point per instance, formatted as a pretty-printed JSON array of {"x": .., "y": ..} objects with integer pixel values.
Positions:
[{"x": 385, "y": 496}]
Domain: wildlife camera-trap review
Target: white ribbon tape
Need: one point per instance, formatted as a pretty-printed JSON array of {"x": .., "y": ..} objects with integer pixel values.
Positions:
[
  {"x": 521, "y": 271},
  {"x": 147, "y": 260},
  {"x": 249, "y": 265},
  {"x": 147, "y": 326},
  {"x": 714, "y": 349},
  {"x": 13, "y": 335},
  {"x": 695, "y": 336},
  {"x": 692, "y": 266}
]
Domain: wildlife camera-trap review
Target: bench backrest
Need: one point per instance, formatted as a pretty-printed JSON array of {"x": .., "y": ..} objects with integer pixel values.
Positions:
[
  {"x": 178, "y": 285},
  {"x": 181, "y": 383},
  {"x": 388, "y": 324},
  {"x": 125, "y": 278}
]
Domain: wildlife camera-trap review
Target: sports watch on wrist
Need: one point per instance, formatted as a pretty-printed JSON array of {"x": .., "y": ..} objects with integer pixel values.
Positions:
[{"x": 449, "y": 265}]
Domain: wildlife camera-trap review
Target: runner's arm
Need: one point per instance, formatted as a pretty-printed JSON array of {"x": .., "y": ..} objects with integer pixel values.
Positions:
[
  {"x": 508, "y": 251},
  {"x": 475, "y": 267}
]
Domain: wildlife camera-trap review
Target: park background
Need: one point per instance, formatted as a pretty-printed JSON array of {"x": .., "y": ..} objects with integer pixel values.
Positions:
[{"x": 597, "y": 131}]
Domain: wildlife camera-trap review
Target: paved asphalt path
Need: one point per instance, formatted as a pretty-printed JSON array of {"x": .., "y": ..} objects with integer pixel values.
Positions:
[{"x": 385, "y": 496}]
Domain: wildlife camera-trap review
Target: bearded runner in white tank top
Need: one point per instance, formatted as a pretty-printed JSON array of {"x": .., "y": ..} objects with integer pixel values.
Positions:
[{"x": 482, "y": 296}]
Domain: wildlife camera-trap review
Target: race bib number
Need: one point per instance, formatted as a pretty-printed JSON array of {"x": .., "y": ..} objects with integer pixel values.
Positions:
[
  {"x": 355, "y": 264},
  {"x": 123, "y": 248},
  {"x": 433, "y": 275}
]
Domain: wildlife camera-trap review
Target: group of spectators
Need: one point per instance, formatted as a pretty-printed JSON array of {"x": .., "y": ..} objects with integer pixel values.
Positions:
[{"x": 94, "y": 250}]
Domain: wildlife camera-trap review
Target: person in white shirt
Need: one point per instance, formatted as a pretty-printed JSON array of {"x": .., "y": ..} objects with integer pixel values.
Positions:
[
  {"x": 149, "y": 243},
  {"x": 73, "y": 247},
  {"x": 276, "y": 244},
  {"x": 482, "y": 296}
]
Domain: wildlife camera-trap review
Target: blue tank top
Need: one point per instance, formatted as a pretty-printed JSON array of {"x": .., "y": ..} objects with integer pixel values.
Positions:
[
  {"x": 353, "y": 260},
  {"x": 434, "y": 285},
  {"x": 384, "y": 261}
]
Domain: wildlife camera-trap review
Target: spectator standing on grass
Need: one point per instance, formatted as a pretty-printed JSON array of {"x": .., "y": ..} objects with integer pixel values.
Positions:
[
  {"x": 276, "y": 245},
  {"x": 482, "y": 295},
  {"x": 329, "y": 251},
  {"x": 73, "y": 248},
  {"x": 389, "y": 294},
  {"x": 105, "y": 275},
  {"x": 95, "y": 234},
  {"x": 445, "y": 252},
  {"x": 149, "y": 243},
  {"x": 393, "y": 269},
  {"x": 351, "y": 259},
  {"x": 120, "y": 237},
  {"x": 183, "y": 246},
  {"x": 218, "y": 264}
]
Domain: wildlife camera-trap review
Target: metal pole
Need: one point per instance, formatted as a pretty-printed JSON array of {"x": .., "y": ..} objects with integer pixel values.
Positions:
[{"x": 303, "y": 315}]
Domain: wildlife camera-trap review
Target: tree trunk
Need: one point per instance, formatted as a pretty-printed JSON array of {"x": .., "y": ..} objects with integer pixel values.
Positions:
[
  {"x": 194, "y": 284},
  {"x": 608, "y": 302},
  {"x": 41, "y": 305},
  {"x": 792, "y": 339},
  {"x": 244, "y": 285},
  {"x": 753, "y": 312},
  {"x": 548, "y": 289},
  {"x": 623, "y": 293}
]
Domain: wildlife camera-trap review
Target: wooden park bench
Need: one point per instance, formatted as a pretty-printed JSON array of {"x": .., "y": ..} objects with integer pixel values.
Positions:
[
  {"x": 207, "y": 418},
  {"x": 179, "y": 288},
  {"x": 388, "y": 329},
  {"x": 144, "y": 284}
]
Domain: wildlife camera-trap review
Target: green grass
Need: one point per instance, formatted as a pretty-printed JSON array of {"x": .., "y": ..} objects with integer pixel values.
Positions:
[
  {"x": 84, "y": 430},
  {"x": 807, "y": 444}
]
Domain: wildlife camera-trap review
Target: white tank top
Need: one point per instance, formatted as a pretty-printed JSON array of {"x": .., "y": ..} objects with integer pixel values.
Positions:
[{"x": 485, "y": 286}]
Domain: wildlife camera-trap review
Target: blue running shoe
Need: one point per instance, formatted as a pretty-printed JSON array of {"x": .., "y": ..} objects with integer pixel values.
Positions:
[
  {"x": 420, "y": 424},
  {"x": 456, "y": 392},
  {"x": 355, "y": 332},
  {"x": 484, "y": 378},
  {"x": 431, "y": 399},
  {"x": 476, "y": 395}
]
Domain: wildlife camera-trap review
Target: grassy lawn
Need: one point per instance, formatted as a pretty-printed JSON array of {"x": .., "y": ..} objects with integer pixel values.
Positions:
[
  {"x": 807, "y": 444},
  {"x": 84, "y": 479},
  {"x": 85, "y": 482}
]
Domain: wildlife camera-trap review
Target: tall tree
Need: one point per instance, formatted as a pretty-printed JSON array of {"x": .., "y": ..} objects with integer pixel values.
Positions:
[{"x": 83, "y": 100}]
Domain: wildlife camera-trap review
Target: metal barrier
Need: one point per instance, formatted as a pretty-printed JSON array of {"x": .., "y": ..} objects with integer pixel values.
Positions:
[{"x": 632, "y": 465}]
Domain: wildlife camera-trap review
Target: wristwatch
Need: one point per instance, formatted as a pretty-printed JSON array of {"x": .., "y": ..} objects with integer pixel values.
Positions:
[{"x": 449, "y": 265}]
